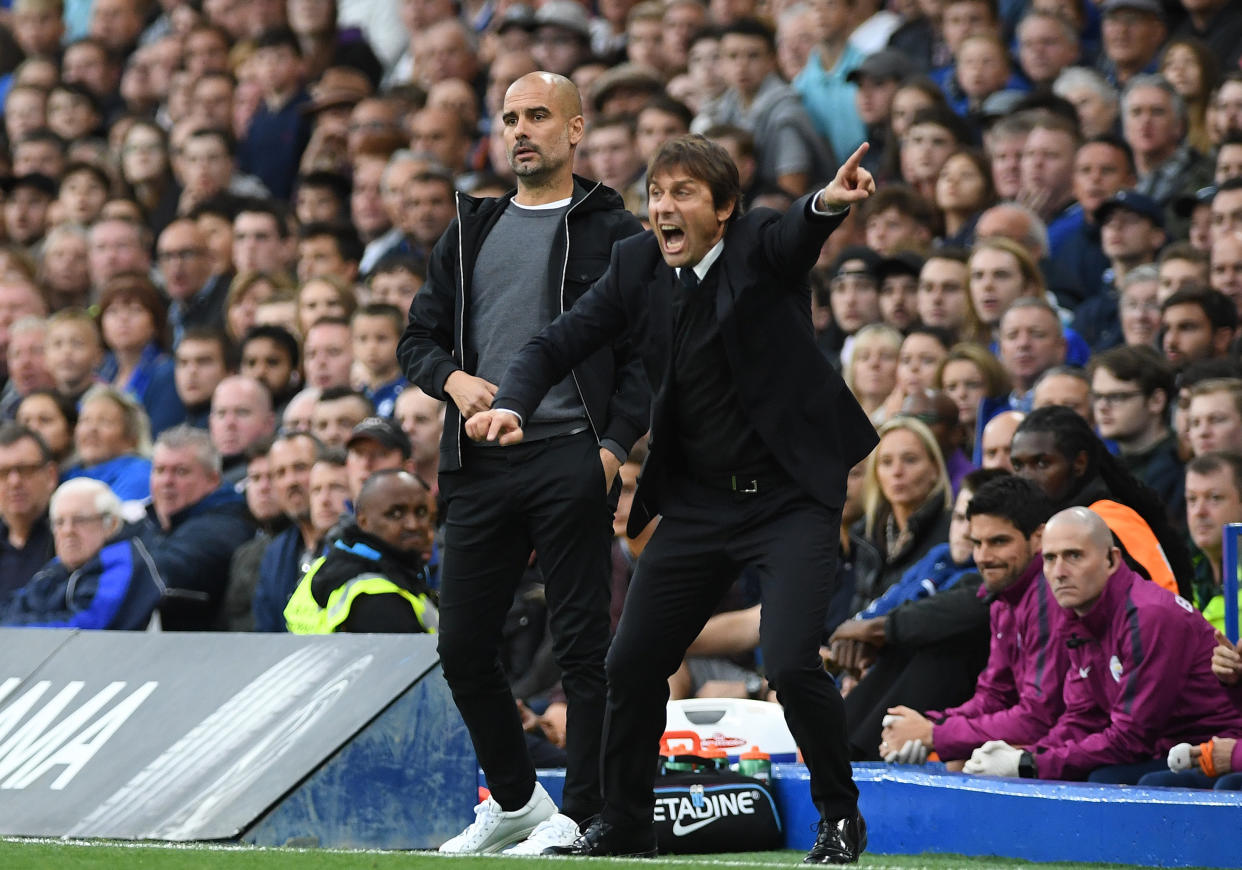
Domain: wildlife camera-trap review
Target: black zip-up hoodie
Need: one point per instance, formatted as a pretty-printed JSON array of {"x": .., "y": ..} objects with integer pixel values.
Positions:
[{"x": 610, "y": 382}]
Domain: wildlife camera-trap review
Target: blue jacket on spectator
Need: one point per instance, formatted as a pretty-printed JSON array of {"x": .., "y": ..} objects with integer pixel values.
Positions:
[
  {"x": 935, "y": 572},
  {"x": 193, "y": 556},
  {"x": 128, "y": 476},
  {"x": 118, "y": 589},
  {"x": 151, "y": 384},
  {"x": 279, "y": 573}
]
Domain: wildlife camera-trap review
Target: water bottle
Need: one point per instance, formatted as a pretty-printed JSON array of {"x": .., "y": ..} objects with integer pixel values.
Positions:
[{"x": 756, "y": 764}]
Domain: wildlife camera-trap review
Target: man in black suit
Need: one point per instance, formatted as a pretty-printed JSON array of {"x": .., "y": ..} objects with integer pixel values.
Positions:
[{"x": 753, "y": 435}]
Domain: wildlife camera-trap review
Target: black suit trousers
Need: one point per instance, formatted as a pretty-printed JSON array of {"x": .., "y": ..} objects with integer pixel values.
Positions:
[
  {"x": 505, "y": 501},
  {"x": 705, "y": 537}
]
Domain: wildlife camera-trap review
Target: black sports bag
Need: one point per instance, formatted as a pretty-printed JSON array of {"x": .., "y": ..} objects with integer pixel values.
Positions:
[{"x": 715, "y": 811}]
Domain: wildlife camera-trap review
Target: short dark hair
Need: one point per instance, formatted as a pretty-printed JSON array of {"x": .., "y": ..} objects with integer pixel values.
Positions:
[
  {"x": 381, "y": 309},
  {"x": 335, "y": 394},
  {"x": 396, "y": 261},
  {"x": 1142, "y": 365},
  {"x": 348, "y": 245},
  {"x": 216, "y": 336},
  {"x": 943, "y": 116},
  {"x": 333, "y": 182},
  {"x": 751, "y": 27},
  {"x": 705, "y": 160},
  {"x": 905, "y": 199},
  {"x": 270, "y": 207},
  {"x": 279, "y": 37},
  {"x": 1012, "y": 498},
  {"x": 669, "y": 106},
  {"x": 974, "y": 480},
  {"x": 222, "y": 205},
  {"x": 259, "y": 448},
  {"x": 90, "y": 169},
  {"x": 1211, "y": 462},
  {"x": 225, "y": 138},
  {"x": 1112, "y": 140},
  {"x": 278, "y": 335},
  {"x": 1219, "y": 308},
  {"x": 11, "y": 433}
]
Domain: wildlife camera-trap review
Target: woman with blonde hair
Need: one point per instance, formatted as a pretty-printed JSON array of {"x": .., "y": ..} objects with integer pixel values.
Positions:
[
  {"x": 907, "y": 500},
  {"x": 871, "y": 368}
]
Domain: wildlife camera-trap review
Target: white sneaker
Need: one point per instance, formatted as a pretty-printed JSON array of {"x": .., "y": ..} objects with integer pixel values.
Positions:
[
  {"x": 494, "y": 829},
  {"x": 556, "y": 830}
]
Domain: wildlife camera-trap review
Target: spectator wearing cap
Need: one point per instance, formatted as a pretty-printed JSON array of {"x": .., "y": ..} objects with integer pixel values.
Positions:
[
  {"x": 562, "y": 36},
  {"x": 898, "y": 276},
  {"x": 26, "y": 208},
  {"x": 853, "y": 298},
  {"x": 1154, "y": 123},
  {"x": 375, "y": 444},
  {"x": 1131, "y": 234},
  {"x": 1133, "y": 32},
  {"x": 826, "y": 82},
  {"x": 791, "y": 154},
  {"x": 625, "y": 89},
  {"x": 195, "y": 522},
  {"x": 1103, "y": 166},
  {"x": 876, "y": 81}
]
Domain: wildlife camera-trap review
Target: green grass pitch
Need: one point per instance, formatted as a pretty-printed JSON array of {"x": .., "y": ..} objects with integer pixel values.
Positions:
[{"x": 30, "y": 854}]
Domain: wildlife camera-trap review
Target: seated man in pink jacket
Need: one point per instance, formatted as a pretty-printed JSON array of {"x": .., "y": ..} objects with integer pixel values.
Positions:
[
  {"x": 1140, "y": 679},
  {"x": 1018, "y": 696}
]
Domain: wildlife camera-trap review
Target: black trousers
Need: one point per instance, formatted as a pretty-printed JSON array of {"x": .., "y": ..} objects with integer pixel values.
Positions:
[
  {"x": 703, "y": 541},
  {"x": 547, "y": 495},
  {"x": 933, "y": 677}
]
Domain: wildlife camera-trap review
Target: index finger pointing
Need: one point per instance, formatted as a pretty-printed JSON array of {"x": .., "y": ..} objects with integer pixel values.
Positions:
[{"x": 856, "y": 158}]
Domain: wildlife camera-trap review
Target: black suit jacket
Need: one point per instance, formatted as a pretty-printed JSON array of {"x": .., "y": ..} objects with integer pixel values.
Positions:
[{"x": 797, "y": 403}]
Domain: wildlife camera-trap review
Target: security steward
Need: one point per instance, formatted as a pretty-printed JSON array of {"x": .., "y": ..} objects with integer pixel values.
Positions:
[{"x": 372, "y": 580}]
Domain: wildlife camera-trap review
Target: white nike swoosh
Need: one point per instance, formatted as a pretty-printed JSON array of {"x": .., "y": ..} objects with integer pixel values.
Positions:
[
  {"x": 680, "y": 830},
  {"x": 1082, "y": 672}
]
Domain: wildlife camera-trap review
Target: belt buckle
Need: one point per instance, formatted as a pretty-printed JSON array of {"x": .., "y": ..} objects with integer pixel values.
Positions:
[{"x": 750, "y": 488}]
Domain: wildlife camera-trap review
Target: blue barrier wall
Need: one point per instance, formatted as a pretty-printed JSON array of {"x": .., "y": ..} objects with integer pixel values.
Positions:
[
  {"x": 909, "y": 811},
  {"x": 402, "y": 783}
]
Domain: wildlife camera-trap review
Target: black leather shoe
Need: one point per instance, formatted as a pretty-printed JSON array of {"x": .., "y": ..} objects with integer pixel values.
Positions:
[
  {"x": 839, "y": 841},
  {"x": 605, "y": 839}
]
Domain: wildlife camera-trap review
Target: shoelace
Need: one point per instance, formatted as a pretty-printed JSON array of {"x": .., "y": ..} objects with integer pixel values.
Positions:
[{"x": 484, "y": 821}]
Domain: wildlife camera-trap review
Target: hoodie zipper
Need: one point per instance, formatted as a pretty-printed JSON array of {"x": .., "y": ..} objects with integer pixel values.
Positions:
[
  {"x": 461, "y": 320},
  {"x": 564, "y": 270}
]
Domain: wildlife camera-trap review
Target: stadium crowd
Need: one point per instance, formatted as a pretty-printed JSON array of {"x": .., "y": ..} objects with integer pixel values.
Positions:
[{"x": 216, "y": 216}]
